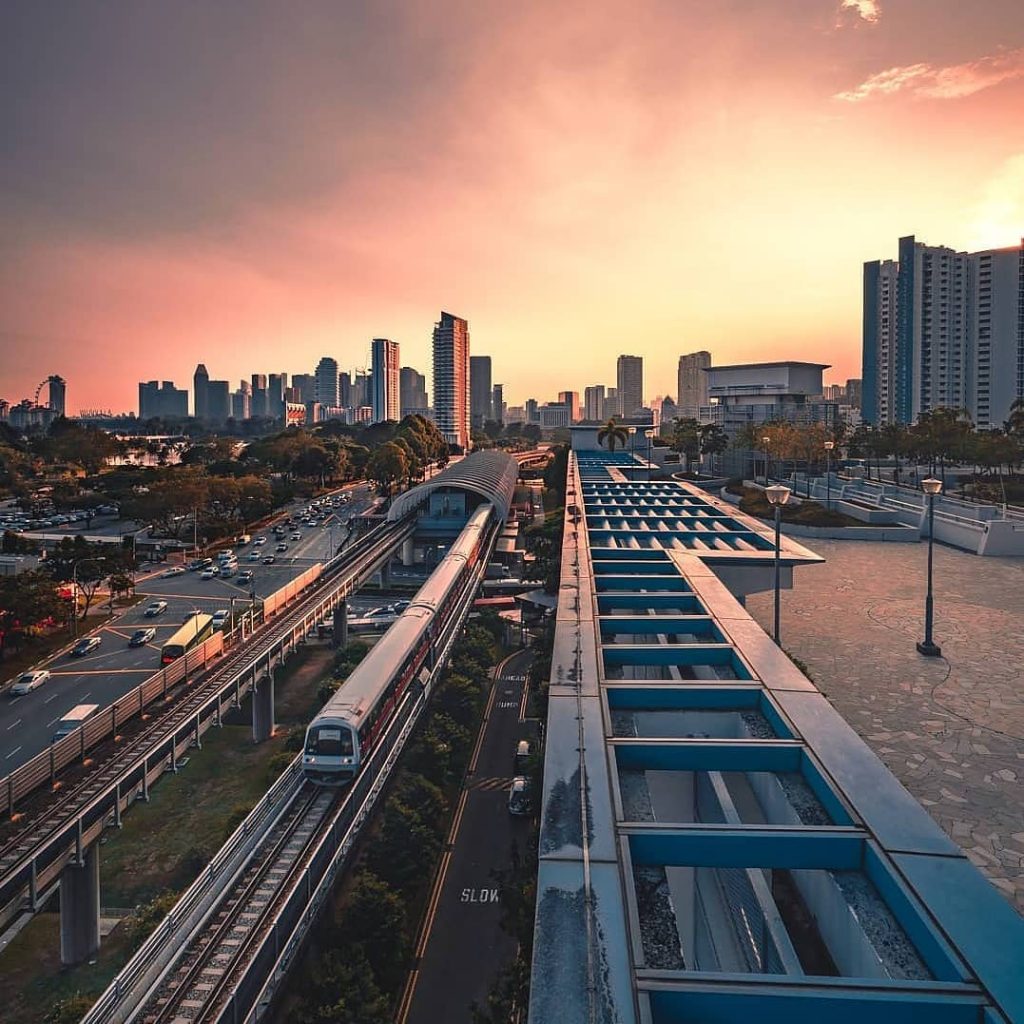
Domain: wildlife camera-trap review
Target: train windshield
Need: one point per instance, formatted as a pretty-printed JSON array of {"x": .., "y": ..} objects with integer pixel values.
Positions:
[{"x": 329, "y": 741}]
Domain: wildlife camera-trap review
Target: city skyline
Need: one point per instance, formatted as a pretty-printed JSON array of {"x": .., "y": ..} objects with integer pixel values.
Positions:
[{"x": 826, "y": 128}]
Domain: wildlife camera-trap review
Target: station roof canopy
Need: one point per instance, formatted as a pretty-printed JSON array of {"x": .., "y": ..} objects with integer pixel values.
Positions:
[{"x": 489, "y": 474}]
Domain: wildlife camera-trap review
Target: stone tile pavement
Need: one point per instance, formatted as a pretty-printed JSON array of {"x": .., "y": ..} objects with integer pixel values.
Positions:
[{"x": 950, "y": 728}]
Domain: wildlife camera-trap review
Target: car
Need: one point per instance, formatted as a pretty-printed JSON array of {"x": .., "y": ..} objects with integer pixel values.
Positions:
[
  {"x": 199, "y": 563},
  {"x": 253, "y": 556},
  {"x": 141, "y": 637},
  {"x": 244, "y": 577},
  {"x": 398, "y": 607},
  {"x": 296, "y": 536},
  {"x": 29, "y": 681},
  {"x": 220, "y": 616},
  {"x": 281, "y": 547},
  {"x": 259, "y": 542},
  {"x": 519, "y": 796},
  {"x": 155, "y": 608},
  {"x": 175, "y": 570},
  {"x": 228, "y": 569},
  {"x": 269, "y": 560},
  {"x": 208, "y": 574},
  {"x": 86, "y": 645}
]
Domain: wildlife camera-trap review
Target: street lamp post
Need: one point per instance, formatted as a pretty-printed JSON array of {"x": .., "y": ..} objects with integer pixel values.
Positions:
[
  {"x": 778, "y": 495},
  {"x": 928, "y": 647},
  {"x": 766, "y": 441},
  {"x": 649, "y": 434},
  {"x": 829, "y": 445},
  {"x": 632, "y": 441}
]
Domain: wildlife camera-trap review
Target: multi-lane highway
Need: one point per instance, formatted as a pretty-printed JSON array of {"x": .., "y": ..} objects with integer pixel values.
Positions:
[{"x": 113, "y": 669}]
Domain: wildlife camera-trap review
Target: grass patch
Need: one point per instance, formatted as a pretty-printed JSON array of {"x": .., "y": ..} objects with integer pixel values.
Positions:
[
  {"x": 32, "y": 980},
  {"x": 806, "y": 513}
]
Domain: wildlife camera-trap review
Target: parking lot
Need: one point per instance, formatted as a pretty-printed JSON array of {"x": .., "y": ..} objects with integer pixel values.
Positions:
[{"x": 101, "y": 677}]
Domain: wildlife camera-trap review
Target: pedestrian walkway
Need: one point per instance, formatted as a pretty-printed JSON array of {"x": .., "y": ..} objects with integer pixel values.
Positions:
[{"x": 951, "y": 729}]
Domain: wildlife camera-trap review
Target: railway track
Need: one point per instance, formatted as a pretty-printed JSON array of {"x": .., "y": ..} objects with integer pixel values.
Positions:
[{"x": 198, "y": 987}]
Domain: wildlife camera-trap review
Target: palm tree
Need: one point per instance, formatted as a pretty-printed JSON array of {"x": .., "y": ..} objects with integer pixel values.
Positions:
[{"x": 614, "y": 433}]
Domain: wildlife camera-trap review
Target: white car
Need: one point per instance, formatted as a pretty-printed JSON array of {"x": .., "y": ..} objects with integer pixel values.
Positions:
[
  {"x": 208, "y": 574},
  {"x": 155, "y": 608},
  {"x": 29, "y": 681},
  {"x": 220, "y": 617},
  {"x": 253, "y": 556},
  {"x": 259, "y": 542},
  {"x": 177, "y": 570}
]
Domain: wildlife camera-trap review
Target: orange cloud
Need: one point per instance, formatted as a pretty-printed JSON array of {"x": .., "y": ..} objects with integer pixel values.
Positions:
[
  {"x": 926, "y": 81},
  {"x": 866, "y": 10}
]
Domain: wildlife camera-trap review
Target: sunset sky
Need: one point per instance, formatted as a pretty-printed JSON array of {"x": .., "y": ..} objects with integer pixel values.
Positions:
[{"x": 256, "y": 184}]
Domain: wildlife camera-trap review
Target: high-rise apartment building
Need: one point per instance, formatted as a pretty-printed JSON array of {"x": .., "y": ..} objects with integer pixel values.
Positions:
[
  {"x": 995, "y": 369},
  {"x": 943, "y": 329},
  {"x": 327, "y": 382},
  {"x": 384, "y": 380},
  {"x": 593, "y": 402},
  {"x": 692, "y": 384},
  {"x": 854, "y": 392},
  {"x": 611, "y": 404},
  {"x": 480, "y": 390},
  {"x": 162, "y": 400},
  {"x": 412, "y": 391},
  {"x": 572, "y": 400},
  {"x": 451, "y": 379},
  {"x": 629, "y": 374},
  {"x": 57, "y": 400},
  {"x": 200, "y": 382},
  {"x": 532, "y": 410}
]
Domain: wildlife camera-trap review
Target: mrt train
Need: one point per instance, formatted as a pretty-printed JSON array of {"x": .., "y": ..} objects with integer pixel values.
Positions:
[{"x": 344, "y": 733}]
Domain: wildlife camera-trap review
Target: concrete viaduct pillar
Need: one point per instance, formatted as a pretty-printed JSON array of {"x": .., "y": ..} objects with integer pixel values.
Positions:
[
  {"x": 263, "y": 708},
  {"x": 408, "y": 556},
  {"x": 340, "y": 625},
  {"x": 80, "y": 908}
]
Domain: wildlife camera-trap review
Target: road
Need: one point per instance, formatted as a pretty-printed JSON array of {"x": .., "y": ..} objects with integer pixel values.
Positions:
[
  {"x": 27, "y": 723},
  {"x": 463, "y": 947}
]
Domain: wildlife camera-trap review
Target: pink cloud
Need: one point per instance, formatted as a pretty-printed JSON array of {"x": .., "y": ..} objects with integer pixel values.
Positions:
[{"x": 926, "y": 81}]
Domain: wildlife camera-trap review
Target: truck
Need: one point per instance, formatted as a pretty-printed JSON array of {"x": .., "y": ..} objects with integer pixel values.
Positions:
[
  {"x": 73, "y": 719},
  {"x": 242, "y": 539}
]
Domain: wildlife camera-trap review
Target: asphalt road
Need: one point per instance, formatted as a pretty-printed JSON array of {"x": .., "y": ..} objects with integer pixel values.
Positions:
[
  {"x": 463, "y": 946},
  {"x": 27, "y": 723}
]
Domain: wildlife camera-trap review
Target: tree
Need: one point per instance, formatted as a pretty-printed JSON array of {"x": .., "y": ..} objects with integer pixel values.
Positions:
[
  {"x": 714, "y": 441},
  {"x": 612, "y": 433},
  {"x": 387, "y": 466},
  {"x": 26, "y": 601},
  {"x": 686, "y": 439}
]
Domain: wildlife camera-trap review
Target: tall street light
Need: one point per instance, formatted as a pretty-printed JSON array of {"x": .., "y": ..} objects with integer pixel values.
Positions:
[
  {"x": 632, "y": 444},
  {"x": 777, "y": 495},
  {"x": 766, "y": 441},
  {"x": 927, "y": 646},
  {"x": 649, "y": 434},
  {"x": 829, "y": 445}
]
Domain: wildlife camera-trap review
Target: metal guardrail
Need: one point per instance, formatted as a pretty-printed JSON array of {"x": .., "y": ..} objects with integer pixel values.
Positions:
[
  {"x": 32, "y": 859},
  {"x": 307, "y": 891}
]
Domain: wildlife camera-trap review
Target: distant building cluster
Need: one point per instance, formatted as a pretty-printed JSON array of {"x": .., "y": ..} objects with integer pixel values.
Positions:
[
  {"x": 943, "y": 329},
  {"x": 30, "y": 414}
]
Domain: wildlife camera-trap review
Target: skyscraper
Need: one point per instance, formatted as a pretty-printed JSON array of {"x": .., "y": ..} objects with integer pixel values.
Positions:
[
  {"x": 344, "y": 390},
  {"x": 258, "y": 400},
  {"x": 629, "y": 374},
  {"x": 498, "y": 403},
  {"x": 162, "y": 400},
  {"x": 480, "y": 390},
  {"x": 611, "y": 404},
  {"x": 304, "y": 387},
  {"x": 327, "y": 382},
  {"x": 57, "y": 388},
  {"x": 572, "y": 400},
  {"x": 412, "y": 391},
  {"x": 451, "y": 379},
  {"x": 692, "y": 390},
  {"x": 385, "y": 380},
  {"x": 218, "y": 401},
  {"x": 276, "y": 383},
  {"x": 200, "y": 382},
  {"x": 593, "y": 402}
]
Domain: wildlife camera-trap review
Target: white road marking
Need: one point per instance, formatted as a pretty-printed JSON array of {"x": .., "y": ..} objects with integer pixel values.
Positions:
[
  {"x": 14, "y": 725},
  {"x": 48, "y": 699},
  {"x": 54, "y": 722},
  {"x": 12, "y": 753}
]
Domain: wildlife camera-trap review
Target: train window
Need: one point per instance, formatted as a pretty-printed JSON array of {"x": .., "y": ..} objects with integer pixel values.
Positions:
[{"x": 329, "y": 741}]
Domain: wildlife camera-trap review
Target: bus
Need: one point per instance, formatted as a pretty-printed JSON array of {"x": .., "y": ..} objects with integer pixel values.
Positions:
[{"x": 195, "y": 630}]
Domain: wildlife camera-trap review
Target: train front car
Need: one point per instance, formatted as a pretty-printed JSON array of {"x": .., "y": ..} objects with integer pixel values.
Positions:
[{"x": 331, "y": 753}]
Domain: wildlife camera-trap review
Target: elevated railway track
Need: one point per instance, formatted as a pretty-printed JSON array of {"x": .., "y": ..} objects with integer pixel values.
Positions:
[{"x": 58, "y": 819}]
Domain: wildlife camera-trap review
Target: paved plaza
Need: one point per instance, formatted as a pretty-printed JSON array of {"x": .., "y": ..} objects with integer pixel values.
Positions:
[{"x": 950, "y": 728}]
